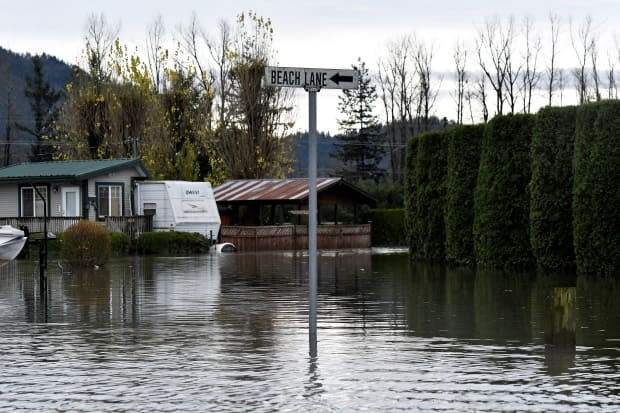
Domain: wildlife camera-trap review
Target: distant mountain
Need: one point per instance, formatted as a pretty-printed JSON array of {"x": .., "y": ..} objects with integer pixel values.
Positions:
[
  {"x": 14, "y": 69},
  {"x": 326, "y": 164}
]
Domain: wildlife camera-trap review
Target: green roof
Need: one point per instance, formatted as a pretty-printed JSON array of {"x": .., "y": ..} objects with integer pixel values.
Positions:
[{"x": 58, "y": 170}]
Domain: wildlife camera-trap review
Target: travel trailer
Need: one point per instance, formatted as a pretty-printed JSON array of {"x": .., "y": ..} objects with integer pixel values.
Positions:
[{"x": 179, "y": 206}]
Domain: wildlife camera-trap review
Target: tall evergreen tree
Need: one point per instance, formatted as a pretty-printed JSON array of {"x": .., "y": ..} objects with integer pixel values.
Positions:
[
  {"x": 359, "y": 148},
  {"x": 43, "y": 100}
]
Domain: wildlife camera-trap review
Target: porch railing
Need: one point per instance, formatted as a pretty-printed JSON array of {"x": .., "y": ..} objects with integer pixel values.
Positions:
[{"x": 132, "y": 226}]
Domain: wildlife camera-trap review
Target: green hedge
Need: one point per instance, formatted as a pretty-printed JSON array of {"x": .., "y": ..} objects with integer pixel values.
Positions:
[
  {"x": 120, "y": 243},
  {"x": 551, "y": 186},
  {"x": 410, "y": 197},
  {"x": 430, "y": 175},
  {"x": 388, "y": 227},
  {"x": 463, "y": 161},
  {"x": 596, "y": 197},
  {"x": 501, "y": 203},
  {"x": 172, "y": 243}
]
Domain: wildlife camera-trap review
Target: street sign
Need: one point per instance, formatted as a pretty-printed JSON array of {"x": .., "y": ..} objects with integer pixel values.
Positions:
[{"x": 311, "y": 78}]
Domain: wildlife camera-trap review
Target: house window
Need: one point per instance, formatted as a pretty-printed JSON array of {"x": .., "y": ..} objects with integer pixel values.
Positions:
[
  {"x": 32, "y": 204},
  {"x": 110, "y": 200}
]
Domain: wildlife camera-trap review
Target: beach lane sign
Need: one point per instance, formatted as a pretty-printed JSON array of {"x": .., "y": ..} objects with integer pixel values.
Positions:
[{"x": 311, "y": 78}]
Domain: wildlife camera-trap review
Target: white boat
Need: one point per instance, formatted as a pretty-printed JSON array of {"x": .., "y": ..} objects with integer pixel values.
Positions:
[{"x": 12, "y": 241}]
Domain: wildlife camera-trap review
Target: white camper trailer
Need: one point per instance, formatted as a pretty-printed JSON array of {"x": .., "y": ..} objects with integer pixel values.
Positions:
[{"x": 179, "y": 206}]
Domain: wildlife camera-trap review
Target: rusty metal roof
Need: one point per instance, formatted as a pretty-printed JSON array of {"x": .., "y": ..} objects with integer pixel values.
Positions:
[{"x": 244, "y": 190}]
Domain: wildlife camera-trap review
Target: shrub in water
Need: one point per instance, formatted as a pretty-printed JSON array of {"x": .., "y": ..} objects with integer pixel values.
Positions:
[
  {"x": 120, "y": 243},
  {"x": 172, "y": 243},
  {"x": 86, "y": 244}
]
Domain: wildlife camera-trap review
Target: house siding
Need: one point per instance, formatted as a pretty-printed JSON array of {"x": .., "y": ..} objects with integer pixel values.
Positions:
[
  {"x": 8, "y": 200},
  {"x": 9, "y": 193},
  {"x": 124, "y": 177}
]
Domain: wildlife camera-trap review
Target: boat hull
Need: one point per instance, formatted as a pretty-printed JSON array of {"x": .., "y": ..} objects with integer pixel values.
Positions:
[{"x": 11, "y": 249}]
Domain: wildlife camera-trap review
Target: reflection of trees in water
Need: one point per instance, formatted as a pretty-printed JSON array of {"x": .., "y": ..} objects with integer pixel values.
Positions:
[
  {"x": 502, "y": 305},
  {"x": 598, "y": 311},
  {"x": 19, "y": 278}
]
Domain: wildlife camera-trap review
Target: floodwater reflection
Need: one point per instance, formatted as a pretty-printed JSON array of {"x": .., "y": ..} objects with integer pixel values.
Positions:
[{"x": 229, "y": 333}]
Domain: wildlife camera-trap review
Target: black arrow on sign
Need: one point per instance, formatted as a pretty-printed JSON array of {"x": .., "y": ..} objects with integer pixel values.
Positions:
[{"x": 337, "y": 79}]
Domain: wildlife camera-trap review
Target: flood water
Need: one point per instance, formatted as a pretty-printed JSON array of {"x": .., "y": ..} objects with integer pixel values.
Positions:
[{"x": 229, "y": 333}]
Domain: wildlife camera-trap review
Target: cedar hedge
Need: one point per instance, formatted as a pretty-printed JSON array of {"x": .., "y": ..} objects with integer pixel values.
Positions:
[
  {"x": 430, "y": 175},
  {"x": 551, "y": 227},
  {"x": 596, "y": 193},
  {"x": 501, "y": 203},
  {"x": 410, "y": 197},
  {"x": 388, "y": 227},
  {"x": 463, "y": 162}
]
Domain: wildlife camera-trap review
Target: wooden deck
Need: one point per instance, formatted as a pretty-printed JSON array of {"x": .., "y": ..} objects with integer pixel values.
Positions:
[{"x": 294, "y": 237}]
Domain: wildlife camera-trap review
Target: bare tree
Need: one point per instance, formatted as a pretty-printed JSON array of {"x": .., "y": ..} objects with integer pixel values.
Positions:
[
  {"x": 581, "y": 39},
  {"x": 100, "y": 37},
  {"x": 595, "y": 75},
  {"x": 554, "y": 21},
  {"x": 157, "y": 55},
  {"x": 482, "y": 96},
  {"x": 561, "y": 84},
  {"x": 493, "y": 48},
  {"x": 612, "y": 87},
  {"x": 460, "y": 62},
  {"x": 531, "y": 76},
  {"x": 220, "y": 49},
  {"x": 423, "y": 59},
  {"x": 513, "y": 69},
  {"x": 469, "y": 97},
  {"x": 255, "y": 145},
  {"x": 192, "y": 40},
  {"x": 397, "y": 84}
]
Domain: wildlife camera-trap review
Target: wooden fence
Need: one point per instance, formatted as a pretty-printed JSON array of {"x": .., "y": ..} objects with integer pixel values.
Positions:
[
  {"x": 132, "y": 226},
  {"x": 293, "y": 237}
]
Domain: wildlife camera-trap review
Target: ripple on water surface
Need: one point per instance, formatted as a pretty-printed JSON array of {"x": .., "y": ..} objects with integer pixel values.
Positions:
[{"x": 229, "y": 333}]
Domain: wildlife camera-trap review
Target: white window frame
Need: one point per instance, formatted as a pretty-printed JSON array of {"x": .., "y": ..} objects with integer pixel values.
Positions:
[
  {"x": 35, "y": 196},
  {"x": 109, "y": 185}
]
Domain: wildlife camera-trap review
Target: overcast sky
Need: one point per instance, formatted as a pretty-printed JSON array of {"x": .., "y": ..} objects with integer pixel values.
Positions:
[{"x": 310, "y": 33}]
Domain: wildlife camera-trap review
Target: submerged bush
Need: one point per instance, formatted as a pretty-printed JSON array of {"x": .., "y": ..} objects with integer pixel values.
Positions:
[
  {"x": 120, "y": 243},
  {"x": 172, "y": 243},
  {"x": 86, "y": 244}
]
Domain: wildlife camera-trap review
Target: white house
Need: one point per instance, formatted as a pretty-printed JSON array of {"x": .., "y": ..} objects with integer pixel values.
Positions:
[{"x": 90, "y": 189}]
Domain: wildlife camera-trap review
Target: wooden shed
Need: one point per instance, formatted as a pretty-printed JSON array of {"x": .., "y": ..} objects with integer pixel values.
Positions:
[{"x": 259, "y": 214}]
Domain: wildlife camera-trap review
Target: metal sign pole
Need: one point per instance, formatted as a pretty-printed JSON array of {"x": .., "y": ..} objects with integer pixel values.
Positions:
[
  {"x": 312, "y": 80},
  {"x": 312, "y": 221}
]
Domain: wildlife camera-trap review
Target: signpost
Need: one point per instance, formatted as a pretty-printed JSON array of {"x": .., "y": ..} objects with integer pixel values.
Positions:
[{"x": 312, "y": 80}]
